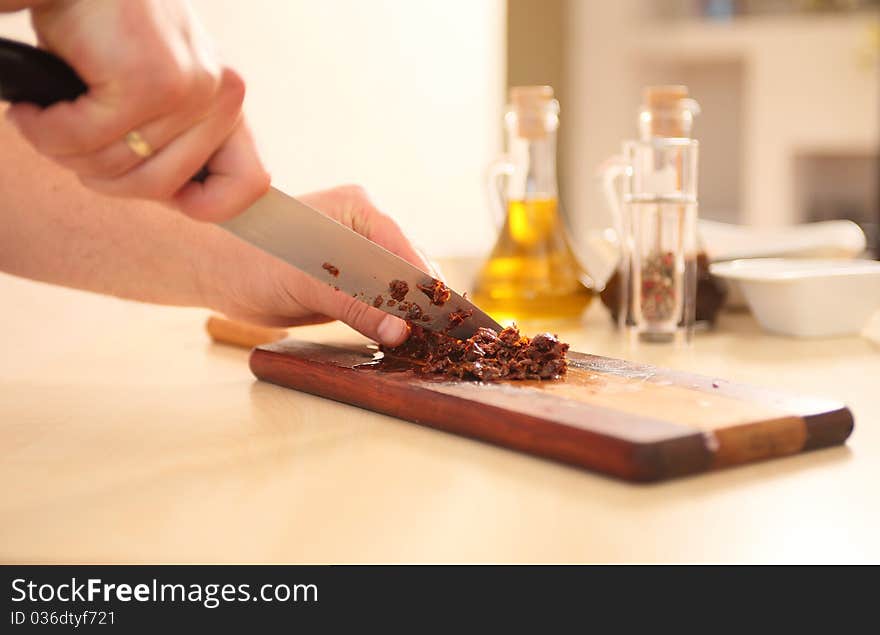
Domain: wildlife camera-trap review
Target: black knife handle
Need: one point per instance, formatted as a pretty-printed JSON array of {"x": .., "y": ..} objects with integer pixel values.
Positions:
[{"x": 29, "y": 74}]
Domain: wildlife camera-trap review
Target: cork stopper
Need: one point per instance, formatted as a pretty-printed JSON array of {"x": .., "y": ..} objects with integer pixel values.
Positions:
[
  {"x": 663, "y": 97},
  {"x": 531, "y": 104},
  {"x": 664, "y": 106}
]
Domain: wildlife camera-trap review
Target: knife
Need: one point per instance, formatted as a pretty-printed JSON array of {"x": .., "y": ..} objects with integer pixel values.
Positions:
[{"x": 277, "y": 223}]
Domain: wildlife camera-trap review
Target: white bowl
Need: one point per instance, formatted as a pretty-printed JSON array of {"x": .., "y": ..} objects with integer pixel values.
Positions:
[{"x": 807, "y": 298}]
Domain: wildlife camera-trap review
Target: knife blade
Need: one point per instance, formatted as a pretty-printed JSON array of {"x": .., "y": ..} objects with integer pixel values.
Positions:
[
  {"x": 277, "y": 223},
  {"x": 340, "y": 257}
]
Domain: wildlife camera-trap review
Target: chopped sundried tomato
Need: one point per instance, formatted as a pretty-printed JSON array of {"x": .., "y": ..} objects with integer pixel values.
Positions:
[
  {"x": 438, "y": 292},
  {"x": 487, "y": 356},
  {"x": 398, "y": 289}
]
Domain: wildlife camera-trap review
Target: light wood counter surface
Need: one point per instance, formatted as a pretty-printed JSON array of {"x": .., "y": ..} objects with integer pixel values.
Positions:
[{"x": 125, "y": 435}]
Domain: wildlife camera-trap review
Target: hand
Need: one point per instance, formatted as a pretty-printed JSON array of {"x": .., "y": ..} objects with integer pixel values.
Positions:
[
  {"x": 57, "y": 231},
  {"x": 149, "y": 69},
  {"x": 248, "y": 284}
]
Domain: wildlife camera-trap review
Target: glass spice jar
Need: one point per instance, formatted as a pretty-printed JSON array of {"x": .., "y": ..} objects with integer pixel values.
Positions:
[{"x": 662, "y": 286}]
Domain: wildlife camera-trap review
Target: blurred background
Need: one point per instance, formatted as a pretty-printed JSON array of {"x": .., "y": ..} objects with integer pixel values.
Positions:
[
  {"x": 789, "y": 89},
  {"x": 407, "y": 98}
]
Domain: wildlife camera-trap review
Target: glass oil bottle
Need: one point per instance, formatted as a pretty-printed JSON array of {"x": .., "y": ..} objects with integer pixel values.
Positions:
[{"x": 532, "y": 274}]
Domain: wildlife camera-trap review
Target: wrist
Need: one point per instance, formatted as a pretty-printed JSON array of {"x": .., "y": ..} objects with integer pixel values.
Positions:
[{"x": 222, "y": 271}]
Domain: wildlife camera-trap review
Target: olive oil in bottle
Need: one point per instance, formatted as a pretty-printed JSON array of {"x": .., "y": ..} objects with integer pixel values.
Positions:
[{"x": 532, "y": 274}]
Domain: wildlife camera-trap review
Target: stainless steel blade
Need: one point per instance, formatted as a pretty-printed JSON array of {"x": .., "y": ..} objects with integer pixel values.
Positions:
[{"x": 309, "y": 240}]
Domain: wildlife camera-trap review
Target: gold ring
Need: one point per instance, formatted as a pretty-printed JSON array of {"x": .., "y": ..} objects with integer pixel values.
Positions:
[{"x": 138, "y": 144}]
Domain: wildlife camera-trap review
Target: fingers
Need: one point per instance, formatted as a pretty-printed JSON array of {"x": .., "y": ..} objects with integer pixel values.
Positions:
[
  {"x": 301, "y": 300},
  {"x": 105, "y": 114},
  {"x": 73, "y": 128},
  {"x": 266, "y": 291},
  {"x": 220, "y": 140},
  {"x": 255, "y": 287},
  {"x": 186, "y": 118},
  {"x": 386, "y": 232},
  {"x": 326, "y": 304},
  {"x": 381, "y": 229},
  {"x": 117, "y": 158},
  {"x": 373, "y": 323},
  {"x": 169, "y": 169},
  {"x": 237, "y": 179},
  {"x": 271, "y": 320},
  {"x": 151, "y": 70},
  {"x": 85, "y": 137},
  {"x": 350, "y": 205}
]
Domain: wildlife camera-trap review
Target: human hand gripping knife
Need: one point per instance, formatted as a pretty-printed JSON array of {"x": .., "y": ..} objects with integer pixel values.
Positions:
[{"x": 277, "y": 223}]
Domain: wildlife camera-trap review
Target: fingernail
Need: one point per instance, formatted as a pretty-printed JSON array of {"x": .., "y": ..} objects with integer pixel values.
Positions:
[{"x": 392, "y": 331}]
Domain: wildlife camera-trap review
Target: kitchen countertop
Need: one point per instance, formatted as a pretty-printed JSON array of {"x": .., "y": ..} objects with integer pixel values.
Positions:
[{"x": 126, "y": 435}]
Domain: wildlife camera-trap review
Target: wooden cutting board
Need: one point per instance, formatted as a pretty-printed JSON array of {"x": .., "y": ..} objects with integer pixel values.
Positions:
[{"x": 633, "y": 421}]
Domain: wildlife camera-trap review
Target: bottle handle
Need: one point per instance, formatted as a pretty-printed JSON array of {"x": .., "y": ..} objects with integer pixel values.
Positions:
[
  {"x": 613, "y": 171},
  {"x": 500, "y": 169}
]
